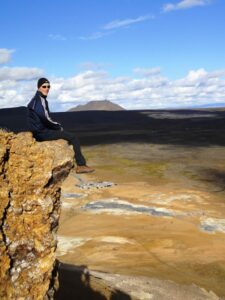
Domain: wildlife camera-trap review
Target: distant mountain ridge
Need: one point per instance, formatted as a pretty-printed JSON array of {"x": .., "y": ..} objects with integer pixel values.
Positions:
[{"x": 98, "y": 105}]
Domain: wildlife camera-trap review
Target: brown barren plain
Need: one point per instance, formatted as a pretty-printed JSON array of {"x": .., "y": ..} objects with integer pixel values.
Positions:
[{"x": 155, "y": 215}]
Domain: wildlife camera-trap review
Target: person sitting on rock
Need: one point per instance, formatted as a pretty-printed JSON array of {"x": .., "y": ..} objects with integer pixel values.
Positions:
[{"x": 45, "y": 129}]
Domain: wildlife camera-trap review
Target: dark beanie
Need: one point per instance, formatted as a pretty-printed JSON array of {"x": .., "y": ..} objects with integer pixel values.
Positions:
[{"x": 42, "y": 81}]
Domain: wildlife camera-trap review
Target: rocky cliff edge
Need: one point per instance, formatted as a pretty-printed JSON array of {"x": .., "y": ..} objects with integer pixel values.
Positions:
[{"x": 30, "y": 177}]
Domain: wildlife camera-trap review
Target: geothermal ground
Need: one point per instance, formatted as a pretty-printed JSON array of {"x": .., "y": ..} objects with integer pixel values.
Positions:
[{"x": 148, "y": 224}]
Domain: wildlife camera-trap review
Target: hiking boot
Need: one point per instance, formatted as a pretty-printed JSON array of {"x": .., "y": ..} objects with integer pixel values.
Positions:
[{"x": 84, "y": 169}]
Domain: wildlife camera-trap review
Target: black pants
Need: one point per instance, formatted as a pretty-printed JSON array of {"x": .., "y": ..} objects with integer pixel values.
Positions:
[{"x": 50, "y": 135}]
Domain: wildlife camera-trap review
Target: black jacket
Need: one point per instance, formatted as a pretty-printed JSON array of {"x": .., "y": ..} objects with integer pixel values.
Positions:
[{"x": 38, "y": 115}]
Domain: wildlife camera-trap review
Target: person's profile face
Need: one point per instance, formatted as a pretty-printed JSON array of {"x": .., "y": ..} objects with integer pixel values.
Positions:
[{"x": 44, "y": 88}]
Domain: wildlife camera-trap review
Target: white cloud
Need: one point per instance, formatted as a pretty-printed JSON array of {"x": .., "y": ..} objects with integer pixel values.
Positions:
[
  {"x": 126, "y": 22},
  {"x": 95, "y": 36},
  {"x": 197, "y": 75},
  {"x": 13, "y": 94},
  {"x": 5, "y": 55},
  {"x": 198, "y": 87},
  {"x": 114, "y": 25},
  {"x": 150, "y": 91},
  {"x": 147, "y": 72},
  {"x": 17, "y": 84},
  {"x": 184, "y": 4},
  {"x": 19, "y": 73},
  {"x": 88, "y": 65}
]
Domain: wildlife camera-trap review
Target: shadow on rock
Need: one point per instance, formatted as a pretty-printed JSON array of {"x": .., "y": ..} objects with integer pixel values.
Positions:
[{"x": 76, "y": 282}]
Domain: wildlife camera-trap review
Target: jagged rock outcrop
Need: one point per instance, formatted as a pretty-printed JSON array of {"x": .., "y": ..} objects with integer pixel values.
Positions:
[{"x": 30, "y": 176}]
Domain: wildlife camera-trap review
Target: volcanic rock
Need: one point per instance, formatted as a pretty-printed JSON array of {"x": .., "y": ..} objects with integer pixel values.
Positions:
[
  {"x": 98, "y": 105},
  {"x": 30, "y": 177}
]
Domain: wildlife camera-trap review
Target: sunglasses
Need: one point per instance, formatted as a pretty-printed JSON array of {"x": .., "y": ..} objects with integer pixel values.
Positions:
[{"x": 46, "y": 86}]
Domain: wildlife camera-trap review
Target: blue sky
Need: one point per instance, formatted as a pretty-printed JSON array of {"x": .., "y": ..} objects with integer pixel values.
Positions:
[{"x": 136, "y": 53}]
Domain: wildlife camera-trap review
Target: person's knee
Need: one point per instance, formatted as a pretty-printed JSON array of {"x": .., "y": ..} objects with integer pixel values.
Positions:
[{"x": 67, "y": 136}]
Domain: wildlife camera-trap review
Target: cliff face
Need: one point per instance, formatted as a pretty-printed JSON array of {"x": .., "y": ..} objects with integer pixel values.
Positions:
[{"x": 30, "y": 176}]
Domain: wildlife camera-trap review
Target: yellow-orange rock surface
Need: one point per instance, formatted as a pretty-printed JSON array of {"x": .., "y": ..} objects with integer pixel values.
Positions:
[{"x": 30, "y": 177}]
